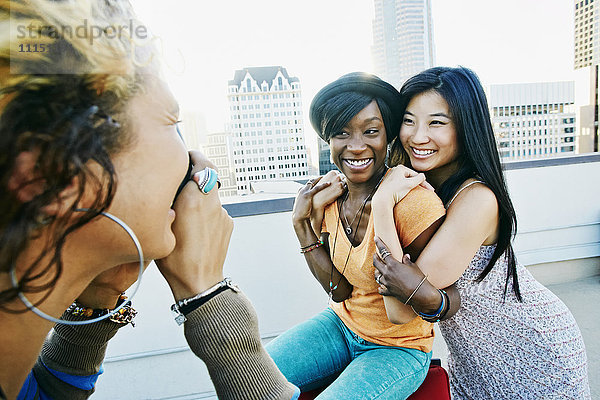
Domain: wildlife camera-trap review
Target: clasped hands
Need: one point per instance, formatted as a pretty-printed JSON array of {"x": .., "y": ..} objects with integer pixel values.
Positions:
[{"x": 400, "y": 279}]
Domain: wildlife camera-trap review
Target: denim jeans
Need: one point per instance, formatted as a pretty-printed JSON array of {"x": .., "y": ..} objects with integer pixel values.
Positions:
[{"x": 323, "y": 351}]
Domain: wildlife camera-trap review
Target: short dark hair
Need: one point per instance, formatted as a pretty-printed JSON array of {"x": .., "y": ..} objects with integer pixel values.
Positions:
[
  {"x": 343, "y": 98},
  {"x": 339, "y": 110},
  {"x": 461, "y": 89}
]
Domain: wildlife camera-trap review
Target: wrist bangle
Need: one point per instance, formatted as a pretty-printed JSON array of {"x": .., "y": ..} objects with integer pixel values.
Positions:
[
  {"x": 124, "y": 316},
  {"x": 185, "y": 306},
  {"x": 440, "y": 313},
  {"x": 416, "y": 289},
  {"x": 311, "y": 247}
]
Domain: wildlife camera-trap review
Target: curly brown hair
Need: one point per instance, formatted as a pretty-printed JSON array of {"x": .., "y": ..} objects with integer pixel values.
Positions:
[{"x": 68, "y": 120}]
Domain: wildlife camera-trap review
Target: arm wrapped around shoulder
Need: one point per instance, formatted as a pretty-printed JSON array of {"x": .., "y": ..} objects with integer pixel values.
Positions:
[
  {"x": 223, "y": 333},
  {"x": 415, "y": 213}
]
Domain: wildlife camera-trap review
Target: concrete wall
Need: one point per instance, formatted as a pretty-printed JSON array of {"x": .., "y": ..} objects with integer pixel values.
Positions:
[
  {"x": 558, "y": 211},
  {"x": 558, "y": 206}
]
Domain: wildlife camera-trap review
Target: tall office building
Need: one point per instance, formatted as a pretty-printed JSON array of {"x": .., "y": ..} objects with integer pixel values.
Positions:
[
  {"x": 402, "y": 39},
  {"x": 534, "y": 120},
  {"x": 325, "y": 164},
  {"x": 587, "y": 58},
  {"x": 266, "y": 122},
  {"x": 587, "y": 44},
  {"x": 586, "y": 102}
]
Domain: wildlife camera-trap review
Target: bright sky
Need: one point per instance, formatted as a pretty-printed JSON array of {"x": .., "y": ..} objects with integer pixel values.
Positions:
[{"x": 204, "y": 42}]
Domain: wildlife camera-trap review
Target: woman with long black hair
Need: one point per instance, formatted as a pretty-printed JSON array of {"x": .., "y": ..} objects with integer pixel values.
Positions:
[{"x": 511, "y": 338}]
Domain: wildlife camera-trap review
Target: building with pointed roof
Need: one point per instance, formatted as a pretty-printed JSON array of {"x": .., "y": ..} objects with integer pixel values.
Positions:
[{"x": 266, "y": 122}]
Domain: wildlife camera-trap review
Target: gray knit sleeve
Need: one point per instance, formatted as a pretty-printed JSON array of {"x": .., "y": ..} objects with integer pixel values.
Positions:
[
  {"x": 74, "y": 350},
  {"x": 223, "y": 332}
]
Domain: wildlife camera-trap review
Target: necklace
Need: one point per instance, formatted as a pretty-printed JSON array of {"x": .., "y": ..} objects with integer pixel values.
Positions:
[
  {"x": 362, "y": 207},
  {"x": 339, "y": 222},
  {"x": 349, "y": 225}
]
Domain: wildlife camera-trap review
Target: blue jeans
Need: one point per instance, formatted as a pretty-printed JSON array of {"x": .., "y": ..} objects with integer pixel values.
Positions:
[{"x": 323, "y": 351}]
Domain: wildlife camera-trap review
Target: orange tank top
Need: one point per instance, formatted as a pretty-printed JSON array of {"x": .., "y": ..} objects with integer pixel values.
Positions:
[{"x": 364, "y": 311}]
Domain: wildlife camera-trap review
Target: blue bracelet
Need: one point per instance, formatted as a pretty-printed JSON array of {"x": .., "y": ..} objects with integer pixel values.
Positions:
[{"x": 440, "y": 311}]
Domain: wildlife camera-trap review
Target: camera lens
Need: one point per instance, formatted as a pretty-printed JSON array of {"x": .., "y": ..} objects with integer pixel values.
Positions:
[{"x": 186, "y": 178}]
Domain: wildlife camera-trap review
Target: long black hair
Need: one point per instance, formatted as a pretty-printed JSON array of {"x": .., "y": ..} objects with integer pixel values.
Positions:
[{"x": 479, "y": 159}]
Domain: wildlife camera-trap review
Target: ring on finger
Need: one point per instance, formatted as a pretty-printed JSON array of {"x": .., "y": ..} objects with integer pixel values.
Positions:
[
  {"x": 206, "y": 180},
  {"x": 385, "y": 253},
  {"x": 377, "y": 279}
]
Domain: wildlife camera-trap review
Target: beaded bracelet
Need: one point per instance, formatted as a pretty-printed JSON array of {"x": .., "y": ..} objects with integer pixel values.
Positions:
[
  {"x": 440, "y": 313},
  {"x": 311, "y": 247},
  {"x": 124, "y": 316}
]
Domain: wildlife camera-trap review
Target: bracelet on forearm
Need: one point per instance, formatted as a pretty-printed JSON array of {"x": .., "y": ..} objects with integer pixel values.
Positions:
[
  {"x": 311, "y": 247},
  {"x": 440, "y": 313},
  {"x": 124, "y": 316},
  {"x": 185, "y": 306},
  {"x": 416, "y": 289}
]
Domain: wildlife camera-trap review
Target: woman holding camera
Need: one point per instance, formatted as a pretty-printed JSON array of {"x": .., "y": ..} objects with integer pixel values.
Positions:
[{"x": 91, "y": 162}]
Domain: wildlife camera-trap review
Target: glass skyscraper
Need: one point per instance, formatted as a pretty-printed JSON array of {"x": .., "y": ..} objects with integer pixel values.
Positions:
[{"x": 402, "y": 39}]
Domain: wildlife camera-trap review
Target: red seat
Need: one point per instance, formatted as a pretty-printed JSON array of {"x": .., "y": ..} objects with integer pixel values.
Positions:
[{"x": 435, "y": 386}]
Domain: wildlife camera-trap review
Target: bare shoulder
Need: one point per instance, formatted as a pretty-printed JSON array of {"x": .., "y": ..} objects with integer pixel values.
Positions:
[{"x": 476, "y": 198}]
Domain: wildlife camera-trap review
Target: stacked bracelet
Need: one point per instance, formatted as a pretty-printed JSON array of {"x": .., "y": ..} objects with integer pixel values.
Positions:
[
  {"x": 311, "y": 247},
  {"x": 186, "y": 306},
  {"x": 124, "y": 316},
  {"x": 440, "y": 313}
]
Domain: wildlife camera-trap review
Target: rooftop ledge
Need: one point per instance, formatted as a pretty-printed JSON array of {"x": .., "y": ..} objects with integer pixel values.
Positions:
[
  {"x": 264, "y": 203},
  {"x": 556, "y": 200}
]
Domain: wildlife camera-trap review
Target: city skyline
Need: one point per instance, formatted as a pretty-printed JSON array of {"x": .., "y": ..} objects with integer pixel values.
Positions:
[
  {"x": 534, "y": 120},
  {"x": 525, "y": 41}
]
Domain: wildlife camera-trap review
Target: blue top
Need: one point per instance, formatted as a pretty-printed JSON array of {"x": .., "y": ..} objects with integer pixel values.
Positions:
[{"x": 32, "y": 391}]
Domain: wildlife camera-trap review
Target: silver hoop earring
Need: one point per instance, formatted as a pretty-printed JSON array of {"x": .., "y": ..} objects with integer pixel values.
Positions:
[{"x": 40, "y": 313}]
